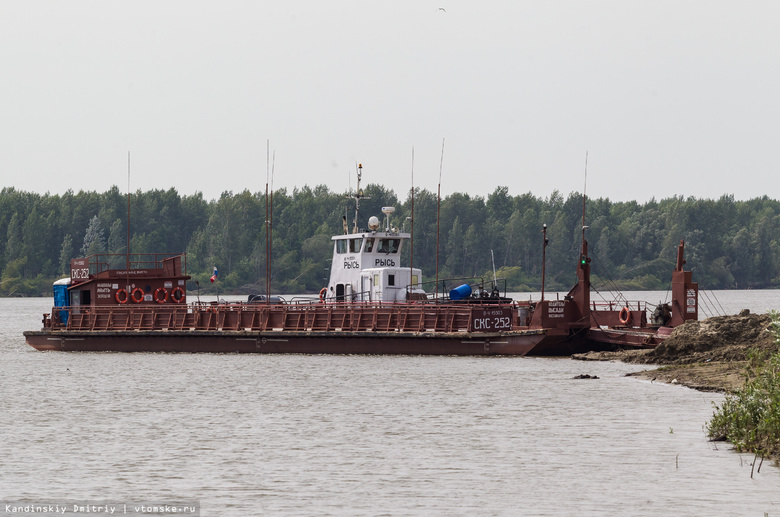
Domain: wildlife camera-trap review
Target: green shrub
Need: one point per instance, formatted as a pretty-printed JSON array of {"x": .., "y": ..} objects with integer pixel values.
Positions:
[{"x": 750, "y": 417}]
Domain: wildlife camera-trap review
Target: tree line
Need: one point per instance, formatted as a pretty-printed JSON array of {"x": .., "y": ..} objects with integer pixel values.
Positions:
[{"x": 729, "y": 243}]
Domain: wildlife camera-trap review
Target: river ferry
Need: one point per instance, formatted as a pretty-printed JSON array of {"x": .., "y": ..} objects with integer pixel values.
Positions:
[{"x": 372, "y": 305}]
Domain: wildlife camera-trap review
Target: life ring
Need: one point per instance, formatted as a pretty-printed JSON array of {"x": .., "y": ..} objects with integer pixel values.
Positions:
[
  {"x": 624, "y": 316},
  {"x": 323, "y": 292},
  {"x": 164, "y": 292},
  {"x": 124, "y": 297},
  {"x": 178, "y": 295},
  {"x": 140, "y": 293}
]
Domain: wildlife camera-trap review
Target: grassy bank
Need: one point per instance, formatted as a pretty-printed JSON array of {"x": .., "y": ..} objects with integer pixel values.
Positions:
[{"x": 749, "y": 418}]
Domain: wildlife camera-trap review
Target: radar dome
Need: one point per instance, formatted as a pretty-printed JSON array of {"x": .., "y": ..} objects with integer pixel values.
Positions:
[{"x": 373, "y": 222}]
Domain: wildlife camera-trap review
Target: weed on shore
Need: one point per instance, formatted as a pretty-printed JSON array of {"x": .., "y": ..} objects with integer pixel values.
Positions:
[{"x": 750, "y": 417}]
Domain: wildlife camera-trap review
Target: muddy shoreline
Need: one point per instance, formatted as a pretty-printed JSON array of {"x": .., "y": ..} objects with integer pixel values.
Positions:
[{"x": 707, "y": 355}]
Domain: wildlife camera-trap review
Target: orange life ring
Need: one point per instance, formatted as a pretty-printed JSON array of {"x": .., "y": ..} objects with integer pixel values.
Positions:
[
  {"x": 121, "y": 292},
  {"x": 157, "y": 293},
  {"x": 624, "y": 316},
  {"x": 140, "y": 294},
  {"x": 323, "y": 292},
  {"x": 178, "y": 295}
]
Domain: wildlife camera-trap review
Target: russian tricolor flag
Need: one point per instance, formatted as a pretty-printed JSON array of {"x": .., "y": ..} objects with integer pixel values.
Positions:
[{"x": 214, "y": 276}]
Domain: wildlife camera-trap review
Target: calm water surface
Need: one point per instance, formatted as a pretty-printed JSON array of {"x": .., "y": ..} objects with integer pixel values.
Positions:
[{"x": 363, "y": 435}]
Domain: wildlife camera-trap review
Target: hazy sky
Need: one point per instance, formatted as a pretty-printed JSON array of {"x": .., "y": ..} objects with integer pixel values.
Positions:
[{"x": 667, "y": 97}]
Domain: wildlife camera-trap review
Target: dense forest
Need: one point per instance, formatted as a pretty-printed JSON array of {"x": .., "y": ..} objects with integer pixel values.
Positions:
[{"x": 729, "y": 243}]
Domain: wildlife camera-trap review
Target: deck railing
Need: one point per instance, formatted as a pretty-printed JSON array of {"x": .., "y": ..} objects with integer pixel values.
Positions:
[
  {"x": 347, "y": 317},
  {"x": 100, "y": 262}
]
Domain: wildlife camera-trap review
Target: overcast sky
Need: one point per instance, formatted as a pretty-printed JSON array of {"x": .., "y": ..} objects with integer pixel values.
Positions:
[{"x": 666, "y": 97}]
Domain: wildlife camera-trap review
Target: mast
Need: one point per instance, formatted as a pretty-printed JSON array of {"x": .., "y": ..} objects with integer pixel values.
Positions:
[
  {"x": 544, "y": 255},
  {"x": 581, "y": 292},
  {"x": 357, "y": 197},
  {"x": 438, "y": 212},
  {"x": 411, "y": 239},
  {"x": 267, "y": 249},
  {"x": 270, "y": 229},
  {"x": 127, "y": 250},
  {"x": 584, "y": 188}
]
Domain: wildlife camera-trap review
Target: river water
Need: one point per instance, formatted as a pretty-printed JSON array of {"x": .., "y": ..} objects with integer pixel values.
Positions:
[{"x": 362, "y": 435}]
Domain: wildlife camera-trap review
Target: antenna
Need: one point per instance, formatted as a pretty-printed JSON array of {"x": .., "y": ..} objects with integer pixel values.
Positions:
[
  {"x": 127, "y": 255},
  {"x": 438, "y": 211},
  {"x": 267, "y": 253},
  {"x": 411, "y": 239},
  {"x": 544, "y": 255},
  {"x": 270, "y": 229},
  {"x": 493, "y": 260},
  {"x": 584, "y": 188},
  {"x": 581, "y": 292}
]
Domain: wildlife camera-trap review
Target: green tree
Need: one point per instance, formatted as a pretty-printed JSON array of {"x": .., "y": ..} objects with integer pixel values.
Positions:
[
  {"x": 94, "y": 242},
  {"x": 117, "y": 243},
  {"x": 66, "y": 253},
  {"x": 14, "y": 247},
  {"x": 33, "y": 241}
]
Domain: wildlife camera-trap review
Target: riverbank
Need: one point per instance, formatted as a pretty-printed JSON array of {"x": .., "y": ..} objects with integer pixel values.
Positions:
[{"x": 707, "y": 355}]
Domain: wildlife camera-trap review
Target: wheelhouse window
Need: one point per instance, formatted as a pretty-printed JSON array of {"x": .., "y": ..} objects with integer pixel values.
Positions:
[
  {"x": 348, "y": 245},
  {"x": 389, "y": 245},
  {"x": 369, "y": 246}
]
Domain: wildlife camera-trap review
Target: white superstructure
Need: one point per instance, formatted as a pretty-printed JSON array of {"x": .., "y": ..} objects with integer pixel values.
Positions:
[{"x": 366, "y": 265}]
